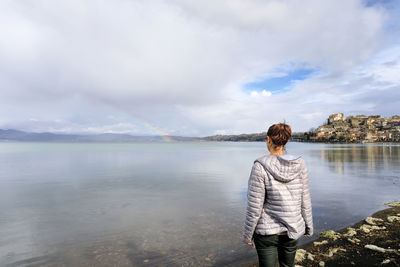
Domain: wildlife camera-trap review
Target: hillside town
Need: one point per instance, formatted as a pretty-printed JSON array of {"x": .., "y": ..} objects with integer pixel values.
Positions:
[{"x": 358, "y": 128}]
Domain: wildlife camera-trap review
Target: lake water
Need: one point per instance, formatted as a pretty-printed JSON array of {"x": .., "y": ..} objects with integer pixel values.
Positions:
[{"x": 166, "y": 204}]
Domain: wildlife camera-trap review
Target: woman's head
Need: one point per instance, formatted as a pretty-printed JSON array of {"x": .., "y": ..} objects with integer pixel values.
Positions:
[{"x": 278, "y": 135}]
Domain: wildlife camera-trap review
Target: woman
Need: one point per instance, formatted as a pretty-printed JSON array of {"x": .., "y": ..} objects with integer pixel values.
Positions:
[{"x": 279, "y": 205}]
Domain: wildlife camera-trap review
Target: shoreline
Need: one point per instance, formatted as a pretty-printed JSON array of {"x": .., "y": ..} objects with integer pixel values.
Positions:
[{"x": 373, "y": 241}]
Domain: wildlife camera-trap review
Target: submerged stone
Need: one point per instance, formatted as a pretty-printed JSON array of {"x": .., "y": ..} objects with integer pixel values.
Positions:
[
  {"x": 322, "y": 263},
  {"x": 395, "y": 203}
]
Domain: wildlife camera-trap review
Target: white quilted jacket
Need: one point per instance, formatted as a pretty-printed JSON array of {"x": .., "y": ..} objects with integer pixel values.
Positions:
[{"x": 278, "y": 198}]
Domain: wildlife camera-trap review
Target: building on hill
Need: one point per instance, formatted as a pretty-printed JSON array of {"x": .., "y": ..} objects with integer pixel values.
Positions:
[
  {"x": 359, "y": 128},
  {"x": 335, "y": 118}
]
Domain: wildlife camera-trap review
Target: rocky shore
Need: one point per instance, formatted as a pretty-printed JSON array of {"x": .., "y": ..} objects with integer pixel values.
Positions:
[{"x": 374, "y": 241}]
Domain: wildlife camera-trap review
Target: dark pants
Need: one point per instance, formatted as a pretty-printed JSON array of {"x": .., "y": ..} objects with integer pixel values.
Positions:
[{"x": 271, "y": 247}]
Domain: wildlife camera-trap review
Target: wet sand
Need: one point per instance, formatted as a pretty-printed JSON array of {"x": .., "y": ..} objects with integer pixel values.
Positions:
[{"x": 374, "y": 241}]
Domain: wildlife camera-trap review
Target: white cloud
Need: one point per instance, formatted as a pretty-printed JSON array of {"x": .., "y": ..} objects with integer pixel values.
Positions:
[
  {"x": 266, "y": 93},
  {"x": 254, "y": 93},
  {"x": 179, "y": 65}
]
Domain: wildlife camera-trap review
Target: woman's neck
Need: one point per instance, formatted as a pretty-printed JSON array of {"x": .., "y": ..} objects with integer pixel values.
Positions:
[
  {"x": 275, "y": 150},
  {"x": 276, "y": 153}
]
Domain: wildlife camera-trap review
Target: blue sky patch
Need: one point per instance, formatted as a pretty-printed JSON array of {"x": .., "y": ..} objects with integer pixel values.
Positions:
[
  {"x": 278, "y": 84},
  {"x": 379, "y": 2}
]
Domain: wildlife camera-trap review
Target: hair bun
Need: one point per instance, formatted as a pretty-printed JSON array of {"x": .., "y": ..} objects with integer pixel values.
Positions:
[{"x": 279, "y": 133}]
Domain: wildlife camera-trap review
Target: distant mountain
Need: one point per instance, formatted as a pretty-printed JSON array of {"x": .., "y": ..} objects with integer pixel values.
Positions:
[
  {"x": 16, "y": 135},
  {"x": 255, "y": 137}
]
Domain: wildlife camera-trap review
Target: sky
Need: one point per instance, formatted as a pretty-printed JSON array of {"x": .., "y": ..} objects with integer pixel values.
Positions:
[{"x": 195, "y": 68}]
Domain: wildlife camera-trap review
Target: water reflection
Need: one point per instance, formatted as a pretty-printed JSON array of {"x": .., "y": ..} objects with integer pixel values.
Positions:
[{"x": 372, "y": 157}]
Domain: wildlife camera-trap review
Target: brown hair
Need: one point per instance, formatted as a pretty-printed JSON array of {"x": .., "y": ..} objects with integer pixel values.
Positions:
[{"x": 279, "y": 133}]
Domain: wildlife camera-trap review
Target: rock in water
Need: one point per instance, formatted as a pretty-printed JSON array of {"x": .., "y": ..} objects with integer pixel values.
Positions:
[{"x": 393, "y": 204}]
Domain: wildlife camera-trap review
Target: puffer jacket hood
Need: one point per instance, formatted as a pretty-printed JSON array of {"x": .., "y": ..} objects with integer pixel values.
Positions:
[{"x": 283, "y": 168}]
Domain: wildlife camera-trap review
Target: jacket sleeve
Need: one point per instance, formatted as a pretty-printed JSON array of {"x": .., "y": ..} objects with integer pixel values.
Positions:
[
  {"x": 306, "y": 210},
  {"x": 255, "y": 201}
]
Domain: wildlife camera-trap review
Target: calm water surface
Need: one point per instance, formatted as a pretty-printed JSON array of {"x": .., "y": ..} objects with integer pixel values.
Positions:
[{"x": 165, "y": 204}]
